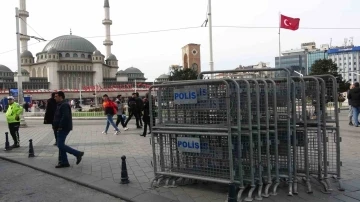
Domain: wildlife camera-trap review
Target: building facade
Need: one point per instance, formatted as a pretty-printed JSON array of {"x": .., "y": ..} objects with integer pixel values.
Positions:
[
  {"x": 294, "y": 60},
  {"x": 347, "y": 59},
  {"x": 191, "y": 57},
  {"x": 69, "y": 62},
  {"x": 313, "y": 56}
]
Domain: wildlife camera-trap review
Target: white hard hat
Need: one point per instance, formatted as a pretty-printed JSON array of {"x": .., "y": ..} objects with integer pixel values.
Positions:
[{"x": 10, "y": 98}]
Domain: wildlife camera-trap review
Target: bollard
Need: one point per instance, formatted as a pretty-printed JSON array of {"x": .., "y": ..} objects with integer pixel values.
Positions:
[
  {"x": 232, "y": 193},
  {"x": 124, "y": 174},
  {"x": 31, "y": 149},
  {"x": 7, "y": 144}
]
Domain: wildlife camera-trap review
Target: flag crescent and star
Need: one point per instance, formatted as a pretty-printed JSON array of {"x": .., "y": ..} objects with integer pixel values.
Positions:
[{"x": 289, "y": 23}]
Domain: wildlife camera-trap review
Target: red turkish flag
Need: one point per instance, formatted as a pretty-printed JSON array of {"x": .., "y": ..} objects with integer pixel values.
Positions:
[{"x": 289, "y": 23}]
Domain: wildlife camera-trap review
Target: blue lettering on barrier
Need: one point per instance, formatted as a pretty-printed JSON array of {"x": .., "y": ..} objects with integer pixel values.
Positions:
[
  {"x": 185, "y": 96},
  {"x": 186, "y": 144}
]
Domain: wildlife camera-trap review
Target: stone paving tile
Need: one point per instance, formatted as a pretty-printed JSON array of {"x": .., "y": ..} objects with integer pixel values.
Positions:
[{"x": 103, "y": 160}]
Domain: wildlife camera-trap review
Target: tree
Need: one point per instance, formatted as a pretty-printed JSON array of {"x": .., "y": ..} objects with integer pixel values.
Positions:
[
  {"x": 183, "y": 74},
  {"x": 327, "y": 66}
]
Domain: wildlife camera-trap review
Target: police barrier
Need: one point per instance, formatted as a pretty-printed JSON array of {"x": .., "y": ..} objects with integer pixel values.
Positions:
[{"x": 257, "y": 129}]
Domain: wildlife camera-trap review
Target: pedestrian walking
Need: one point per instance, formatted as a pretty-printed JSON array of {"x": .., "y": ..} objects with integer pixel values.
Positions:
[
  {"x": 120, "y": 110},
  {"x": 50, "y": 113},
  {"x": 13, "y": 113},
  {"x": 110, "y": 109},
  {"x": 133, "y": 110},
  {"x": 139, "y": 107},
  {"x": 146, "y": 116},
  {"x": 63, "y": 124},
  {"x": 350, "y": 115},
  {"x": 354, "y": 96}
]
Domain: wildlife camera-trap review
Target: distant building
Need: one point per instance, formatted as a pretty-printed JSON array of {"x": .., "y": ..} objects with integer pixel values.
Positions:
[
  {"x": 347, "y": 59},
  {"x": 191, "y": 56},
  {"x": 301, "y": 60},
  {"x": 162, "y": 78},
  {"x": 245, "y": 74},
  {"x": 294, "y": 60},
  {"x": 313, "y": 56},
  {"x": 68, "y": 61}
]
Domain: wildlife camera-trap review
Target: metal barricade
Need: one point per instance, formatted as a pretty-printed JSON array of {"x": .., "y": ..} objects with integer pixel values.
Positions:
[
  {"x": 253, "y": 129},
  {"x": 333, "y": 138},
  {"x": 188, "y": 142}
]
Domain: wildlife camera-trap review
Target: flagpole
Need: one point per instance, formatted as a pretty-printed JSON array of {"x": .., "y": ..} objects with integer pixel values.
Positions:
[{"x": 279, "y": 40}]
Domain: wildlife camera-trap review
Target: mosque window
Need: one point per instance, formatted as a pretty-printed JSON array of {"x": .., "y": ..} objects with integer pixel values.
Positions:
[
  {"x": 67, "y": 55},
  {"x": 89, "y": 56},
  {"x": 75, "y": 55},
  {"x": 25, "y": 60},
  {"x": 60, "y": 55},
  {"x": 45, "y": 56},
  {"x": 41, "y": 56},
  {"x": 82, "y": 56}
]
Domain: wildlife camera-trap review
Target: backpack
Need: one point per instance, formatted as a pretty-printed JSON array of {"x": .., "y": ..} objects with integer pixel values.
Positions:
[{"x": 113, "y": 106}]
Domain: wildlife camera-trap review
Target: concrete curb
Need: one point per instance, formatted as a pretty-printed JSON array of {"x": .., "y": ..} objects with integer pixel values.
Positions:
[{"x": 105, "y": 186}]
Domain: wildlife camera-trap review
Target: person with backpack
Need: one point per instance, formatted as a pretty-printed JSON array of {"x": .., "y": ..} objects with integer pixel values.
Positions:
[{"x": 110, "y": 109}]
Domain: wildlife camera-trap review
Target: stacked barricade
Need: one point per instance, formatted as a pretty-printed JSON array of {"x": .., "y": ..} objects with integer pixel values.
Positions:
[{"x": 249, "y": 128}]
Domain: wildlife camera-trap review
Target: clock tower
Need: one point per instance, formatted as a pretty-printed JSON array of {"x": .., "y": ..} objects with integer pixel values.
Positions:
[{"x": 191, "y": 57}]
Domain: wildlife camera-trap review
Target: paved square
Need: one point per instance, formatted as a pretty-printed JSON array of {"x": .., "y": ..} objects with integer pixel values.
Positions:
[{"x": 103, "y": 153}]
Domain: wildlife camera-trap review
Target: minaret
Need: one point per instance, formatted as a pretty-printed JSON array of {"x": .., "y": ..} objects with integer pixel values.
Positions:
[
  {"x": 107, "y": 22},
  {"x": 23, "y": 26}
]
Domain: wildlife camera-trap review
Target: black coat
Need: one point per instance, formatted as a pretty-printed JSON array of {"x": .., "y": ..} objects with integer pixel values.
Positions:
[
  {"x": 354, "y": 96},
  {"x": 146, "y": 117},
  {"x": 63, "y": 117},
  {"x": 50, "y": 111}
]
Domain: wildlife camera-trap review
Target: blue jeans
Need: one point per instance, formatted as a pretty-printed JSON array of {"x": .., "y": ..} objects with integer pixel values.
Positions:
[
  {"x": 356, "y": 111},
  {"x": 109, "y": 120},
  {"x": 63, "y": 149}
]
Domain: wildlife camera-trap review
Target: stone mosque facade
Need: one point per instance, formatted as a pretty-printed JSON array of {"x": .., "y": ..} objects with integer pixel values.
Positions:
[{"x": 68, "y": 61}]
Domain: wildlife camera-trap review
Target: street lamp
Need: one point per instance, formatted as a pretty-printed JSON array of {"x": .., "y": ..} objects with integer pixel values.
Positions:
[
  {"x": 80, "y": 90},
  {"x": 300, "y": 74}
]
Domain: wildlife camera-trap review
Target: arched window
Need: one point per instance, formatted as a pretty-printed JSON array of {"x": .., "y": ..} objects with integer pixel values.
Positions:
[
  {"x": 60, "y": 55},
  {"x": 67, "y": 55},
  {"x": 82, "y": 55},
  {"x": 41, "y": 56},
  {"x": 89, "y": 56},
  {"x": 75, "y": 55}
]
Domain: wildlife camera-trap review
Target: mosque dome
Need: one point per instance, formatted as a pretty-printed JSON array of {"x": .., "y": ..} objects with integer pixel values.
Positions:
[
  {"x": 26, "y": 53},
  {"x": 70, "y": 43},
  {"x": 4, "y": 68},
  {"x": 111, "y": 57},
  {"x": 132, "y": 70}
]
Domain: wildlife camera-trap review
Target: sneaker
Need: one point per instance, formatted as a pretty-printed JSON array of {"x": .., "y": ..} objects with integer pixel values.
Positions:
[
  {"x": 117, "y": 132},
  {"x": 351, "y": 124},
  {"x": 125, "y": 129},
  {"x": 105, "y": 133}
]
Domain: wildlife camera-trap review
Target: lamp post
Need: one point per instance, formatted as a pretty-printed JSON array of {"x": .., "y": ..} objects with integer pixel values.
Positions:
[
  {"x": 80, "y": 90},
  {"x": 19, "y": 82},
  {"x": 210, "y": 38}
]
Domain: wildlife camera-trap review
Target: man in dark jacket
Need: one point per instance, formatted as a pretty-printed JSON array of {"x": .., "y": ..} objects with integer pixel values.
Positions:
[
  {"x": 354, "y": 96},
  {"x": 50, "y": 112},
  {"x": 132, "y": 110},
  {"x": 146, "y": 116},
  {"x": 139, "y": 107},
  {"x": 62, "y": 123},
  {"x": 350, "y": 115}
]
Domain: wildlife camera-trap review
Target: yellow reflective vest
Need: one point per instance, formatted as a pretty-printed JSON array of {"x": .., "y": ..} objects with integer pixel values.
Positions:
[{"x": 13, "y": 110}]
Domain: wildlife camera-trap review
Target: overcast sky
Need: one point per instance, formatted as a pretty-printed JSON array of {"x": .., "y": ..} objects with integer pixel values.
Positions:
[{"x": 153, "y": 53}]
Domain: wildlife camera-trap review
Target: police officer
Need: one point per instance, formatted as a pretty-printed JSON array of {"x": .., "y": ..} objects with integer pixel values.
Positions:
[{"x": 13, "y": 119}]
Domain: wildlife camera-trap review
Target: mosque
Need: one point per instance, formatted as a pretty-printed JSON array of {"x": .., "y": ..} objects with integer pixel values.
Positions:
[{"x": 68, "y": 61}]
